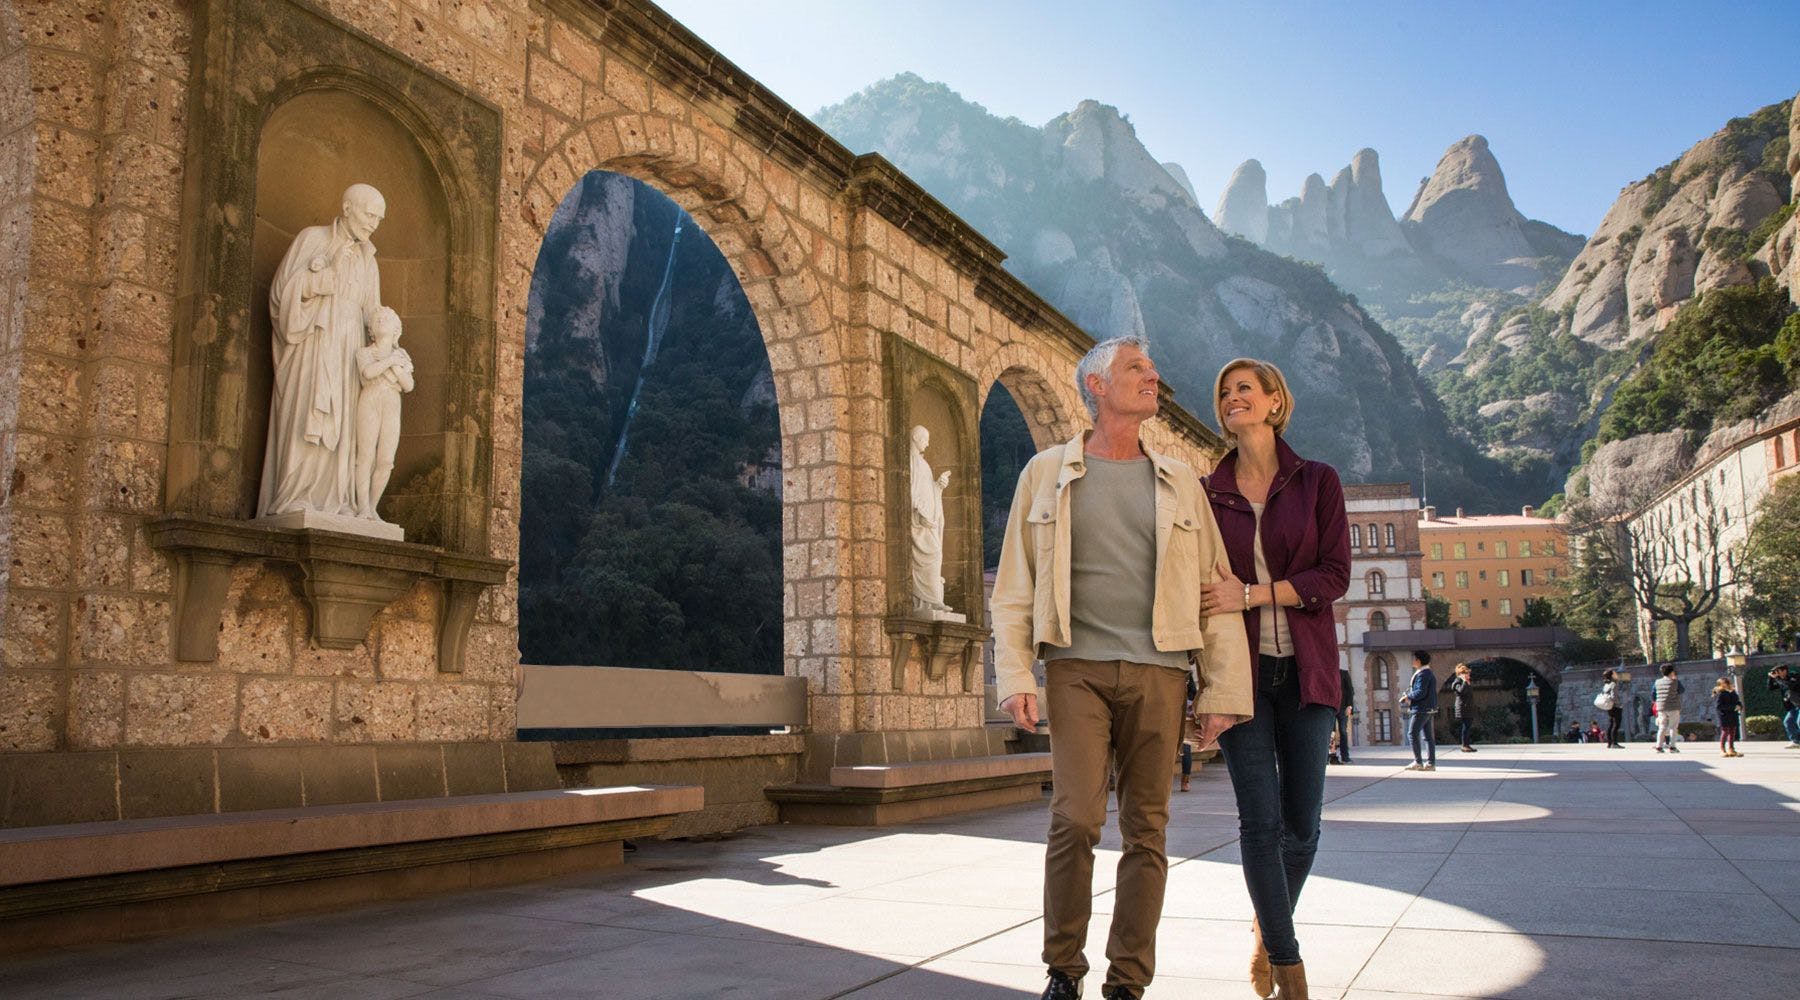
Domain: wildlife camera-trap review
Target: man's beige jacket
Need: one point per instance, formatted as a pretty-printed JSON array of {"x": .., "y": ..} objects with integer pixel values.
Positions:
[{"x": 1030, "y": 607}]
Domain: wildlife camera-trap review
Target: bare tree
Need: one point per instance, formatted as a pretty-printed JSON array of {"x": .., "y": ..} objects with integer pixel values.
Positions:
[{"x": 1677, "y": 575}]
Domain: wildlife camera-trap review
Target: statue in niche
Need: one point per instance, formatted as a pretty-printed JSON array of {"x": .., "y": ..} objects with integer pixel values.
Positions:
[
  {"x": 322, "y": 300},
  {"x": 927, "y": 530},
  {"x": 385, "y": 372}
]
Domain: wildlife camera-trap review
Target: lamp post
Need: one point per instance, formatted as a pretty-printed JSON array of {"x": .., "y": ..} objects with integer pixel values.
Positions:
[
  {"x": 1531, "y": 696},
  {"x": 1735, "y": 661}
]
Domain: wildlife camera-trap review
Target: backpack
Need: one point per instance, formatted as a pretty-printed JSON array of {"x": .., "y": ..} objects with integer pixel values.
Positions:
[{"x": 1603, "y": 702}]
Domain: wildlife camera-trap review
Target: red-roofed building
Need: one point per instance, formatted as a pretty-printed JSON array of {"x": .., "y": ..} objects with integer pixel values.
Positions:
[{"x": 1488, "y": 565}]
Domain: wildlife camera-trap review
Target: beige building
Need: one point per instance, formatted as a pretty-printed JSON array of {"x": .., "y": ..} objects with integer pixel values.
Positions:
[
  {"x": 1487, "y": 566},
  {"x": 1386, "y": 594}
]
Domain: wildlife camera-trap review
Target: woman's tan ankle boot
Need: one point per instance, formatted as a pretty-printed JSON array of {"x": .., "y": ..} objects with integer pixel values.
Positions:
[
  {"x": 1262, "y": 976},
  {"x": 1290, "y": 981}
]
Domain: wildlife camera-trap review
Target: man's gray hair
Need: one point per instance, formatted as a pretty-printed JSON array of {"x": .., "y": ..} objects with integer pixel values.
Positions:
[{"x": 1098, "y": 361}]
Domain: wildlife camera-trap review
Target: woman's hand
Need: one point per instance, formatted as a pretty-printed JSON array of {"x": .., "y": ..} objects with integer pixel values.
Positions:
[
  {"x": 1208, "y": 727},
  {"x": 1222, "y": 596}
]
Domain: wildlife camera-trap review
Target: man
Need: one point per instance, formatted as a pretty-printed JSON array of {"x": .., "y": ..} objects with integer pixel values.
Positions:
[
  {"x": 1421, "y": 702},
  {"x": 1783, "y": 681},
  {"x": 1668, "y": 710},
  {"x": 1346, "y": 705},
  {"x": 1106, "y": 548}
]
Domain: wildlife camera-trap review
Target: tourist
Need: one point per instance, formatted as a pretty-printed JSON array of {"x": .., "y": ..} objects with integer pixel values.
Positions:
[
  {"x": 1574, "y": 732},
  {"x": 1593, "y": 731},
  {"x": 1118, "y": 620},
  {"x": 1421, "y": 703},
  {"x": 1727, "y": 705},
  {"x": 1462, "y": 708},
  {"x": 1340, "y": 753},
  {"x": 1668, "y": 710},
  {"x": 1283, "y": 521},
  {"x": 1784, "y": 681},
  {"x": 1608, "y": 701}
]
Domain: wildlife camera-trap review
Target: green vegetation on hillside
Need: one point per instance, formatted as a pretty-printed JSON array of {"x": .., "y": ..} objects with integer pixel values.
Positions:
[{"x": 1726, "y": 356}]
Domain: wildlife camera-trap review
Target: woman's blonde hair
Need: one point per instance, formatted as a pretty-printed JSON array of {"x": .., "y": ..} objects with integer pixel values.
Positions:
[
  {"x": 1463, "y": 668},
  {"x": 1724, "y": 684},
  {"x": 1273, "y": 382}
]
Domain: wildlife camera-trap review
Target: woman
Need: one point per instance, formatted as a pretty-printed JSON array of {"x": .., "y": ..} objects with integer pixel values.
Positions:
[
  {"x": 1282, "y": 519},
  {"x": 1609, "y": 700},
  {"x": 1727, "y": 704},
  {"x": 1462, "y": 687}
]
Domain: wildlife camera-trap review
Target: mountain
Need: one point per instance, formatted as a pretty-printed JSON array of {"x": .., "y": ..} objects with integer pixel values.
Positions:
[
  {"x": 1113, "y": 238},
  {"x": 1461, "y": 253}
]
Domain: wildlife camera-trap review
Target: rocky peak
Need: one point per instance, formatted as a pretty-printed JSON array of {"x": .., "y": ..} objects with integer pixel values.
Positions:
[
  {"x": 1369, "y": 224},
  {"x": 1464, "y": 215},
  {"x": 1244, "y": 207},
  {"x": 1181, "y": 178}
]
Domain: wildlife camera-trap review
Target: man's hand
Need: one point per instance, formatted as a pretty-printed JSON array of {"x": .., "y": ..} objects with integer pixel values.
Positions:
[
  {"x": 1024, "y": 711},
  {"x": 1208, "y": 726}
]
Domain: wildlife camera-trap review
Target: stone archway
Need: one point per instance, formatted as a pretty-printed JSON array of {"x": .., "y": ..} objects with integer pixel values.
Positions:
[{"x": 1500, "y": 686}]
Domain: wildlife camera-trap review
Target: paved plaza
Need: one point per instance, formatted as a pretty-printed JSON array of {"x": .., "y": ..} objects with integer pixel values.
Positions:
[{"x": 1557, "y": 871}]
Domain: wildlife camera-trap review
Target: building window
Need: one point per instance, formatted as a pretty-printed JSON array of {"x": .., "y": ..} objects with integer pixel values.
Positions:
[
  {"x": 1377, "y": 622},
  {"x": 1377, "y": 583},
  {"x": 1356, "y": 536},
  {"x": 1462, "y": 550},
  {"x": 1551, "y": 572},
  {"x": 1380, "y": 682},
  {"x": 1549, "y": 548},
  {"x": 1500, "y": 549},
  {"x": 1484, "y": 604},
  {"x": 1481, "y": 546},
  {"x": 1524, "y": 578},
  {"x": 1525, "y": 549},
  {"x": 1506, "y": 605},
  {"x": 1384, "y": 725},
  {"x": 1374, "y": 535},
  {"x": 1390, "y": 536},
  {"x": 1462, "y": 609},
  {"x": 1437, "y": 550},
  {"x": 1481, "y": 574},
  {"x": 1780, "y": 453},
  {"x": 1437, "y": 580},
  {"x": 1462, "y": 578},
  {"x": 1503, "y": 578}
]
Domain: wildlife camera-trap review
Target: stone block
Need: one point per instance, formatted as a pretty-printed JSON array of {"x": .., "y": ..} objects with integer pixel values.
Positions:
[
  {"x": 310, "y": 660},
  {"x": 34, "y": 629},
  {"x": 55, "y": 788},
  {"x": 43, "y": 470},
  {"x": 96, "y": 710},
  {"x": 67, "y": 87},
  {"x": 530, "y": 767},
  {"x": 337, "y": 775},
  {"x": 374, "y": 713},
  {"x": 165, "y": 782},
  {"x": 256, "y": 632},
  {"x": 30, "y": 710},
  {"x": 408, "y": 650},
  {"x": 503, "y": 713},
  {"x": 126, "y": 475},
  {"x": 105, "y": 552},
  {"x": 260, "y": 778},
  {"x": 42, "y": 550},
  {"x": 285, "y": 709},
  {"x": 448, "y": 712},
  {"x": 67, "y": 163},
  {"x": 49, "y": 395},
  {"x": 409, "y": 772},
  {"x": 179, "y": 709},
  {"x": 474, "y": 768},
  {"x": 491, "y": 655}
]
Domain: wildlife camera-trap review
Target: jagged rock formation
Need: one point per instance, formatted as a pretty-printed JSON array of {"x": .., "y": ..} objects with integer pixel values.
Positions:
[
  {"x": 1108, "y": 235},
  {"x": 1244, "y": 207},
  {"x": 1624, "y": 474},
  {"x": 1684, "y": 229},
  {"x": 1463, "y": 215},
  {"x": 1175, "y": 170}
]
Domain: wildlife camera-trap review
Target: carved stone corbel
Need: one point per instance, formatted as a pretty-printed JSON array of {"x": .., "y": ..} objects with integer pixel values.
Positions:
[{"x": 958, "y": 639}]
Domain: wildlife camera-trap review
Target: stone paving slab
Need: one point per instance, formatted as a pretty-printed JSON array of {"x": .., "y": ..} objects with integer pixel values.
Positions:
[{"x": 1521, "y": 872}]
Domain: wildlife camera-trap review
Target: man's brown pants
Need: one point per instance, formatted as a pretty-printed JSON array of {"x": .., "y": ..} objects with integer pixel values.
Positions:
[{"x": 1102, "y": 711}]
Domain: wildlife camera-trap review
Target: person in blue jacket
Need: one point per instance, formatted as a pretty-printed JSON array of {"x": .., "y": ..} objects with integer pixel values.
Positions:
[{"x": 1421, "y": 703}]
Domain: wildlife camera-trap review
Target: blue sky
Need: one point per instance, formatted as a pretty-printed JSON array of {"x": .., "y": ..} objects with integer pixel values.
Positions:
[{"x": 1576, "y": 98}]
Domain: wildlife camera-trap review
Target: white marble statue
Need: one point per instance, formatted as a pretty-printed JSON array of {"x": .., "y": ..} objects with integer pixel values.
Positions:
[
  {"x": 384, "y": 371},
  {"x": 322, "y": 299},
  {"x": 927, "y": 532}
]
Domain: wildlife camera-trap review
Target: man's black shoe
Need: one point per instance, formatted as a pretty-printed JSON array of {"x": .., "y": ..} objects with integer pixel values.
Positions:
[
  {"x": 1061, "y": 987},
  {"x": 1120, "y": 993}
]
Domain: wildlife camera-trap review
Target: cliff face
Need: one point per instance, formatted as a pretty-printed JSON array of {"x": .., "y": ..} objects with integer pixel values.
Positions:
[
  {"x": 1464, "y": 216},
  {"x": 1111, "y": 237},
  {"x": 1691, "y": 226}
]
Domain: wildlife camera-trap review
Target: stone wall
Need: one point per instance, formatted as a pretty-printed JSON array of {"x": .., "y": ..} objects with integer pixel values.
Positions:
[{"x": 835, "y": 252}]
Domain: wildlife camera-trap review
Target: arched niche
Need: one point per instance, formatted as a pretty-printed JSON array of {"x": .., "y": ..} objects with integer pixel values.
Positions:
[
  {"x": 313, "y": 147},
  {"x": 926, "y": 391},
  {"x": 933, "y": 408}
]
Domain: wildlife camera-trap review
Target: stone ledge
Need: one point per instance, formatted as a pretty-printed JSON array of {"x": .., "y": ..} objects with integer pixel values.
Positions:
[
  {"x": 85, "y": 850},
  {"x": 833, "y": 805},
  {"x": 939, "y": 772},
  {"x": 625, "y": 751},
  {"x": 348, "y": 580}
]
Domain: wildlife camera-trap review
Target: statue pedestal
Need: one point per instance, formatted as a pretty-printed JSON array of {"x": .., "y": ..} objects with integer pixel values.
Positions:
[
  {"x": 950, "y": 635},
  {"x": 941, "y": 616},
  {"x": 335, "y": 522}
]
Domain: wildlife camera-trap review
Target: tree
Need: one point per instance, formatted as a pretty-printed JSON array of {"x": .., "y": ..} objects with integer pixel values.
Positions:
[
  {"x": 1771, "y": 562},
  {"x": 1594, "y": 598},
  {"x": 1539, "y": 613},
  {"x": 1437, "y": 611},
  {"x": 1677, "y": 574}
]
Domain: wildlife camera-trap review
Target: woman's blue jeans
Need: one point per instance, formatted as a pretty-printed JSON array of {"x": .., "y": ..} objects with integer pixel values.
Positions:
[{"x": 1277, "y": 766}]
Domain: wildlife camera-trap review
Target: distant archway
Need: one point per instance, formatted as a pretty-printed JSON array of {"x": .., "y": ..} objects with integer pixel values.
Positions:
[{"x": 1502, "y": 706}]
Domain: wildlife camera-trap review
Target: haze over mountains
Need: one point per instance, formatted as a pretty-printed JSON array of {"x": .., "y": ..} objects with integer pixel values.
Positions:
[{"x": 1109, "y": 235}]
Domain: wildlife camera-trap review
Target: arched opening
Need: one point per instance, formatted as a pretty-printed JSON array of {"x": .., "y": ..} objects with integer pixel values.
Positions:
[
  {"x": 1377, "y": 588},
  {"x": 1502, "y": 705},
  {"x": 1006, "y": 445},
  {"x": 1378, "y": 620},
  {"x": 651, "y": 490}
]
